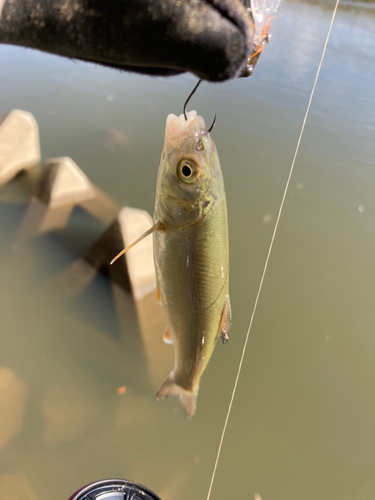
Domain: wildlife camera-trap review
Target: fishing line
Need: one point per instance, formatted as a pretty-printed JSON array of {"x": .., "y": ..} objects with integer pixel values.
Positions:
[{"x": 269, "y": 252}]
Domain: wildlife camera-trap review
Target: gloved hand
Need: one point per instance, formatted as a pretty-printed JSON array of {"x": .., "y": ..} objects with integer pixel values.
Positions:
[{"x": 211, "y": 38}]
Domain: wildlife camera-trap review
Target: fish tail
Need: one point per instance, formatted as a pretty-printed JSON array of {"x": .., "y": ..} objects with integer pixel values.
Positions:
[{"x": 188, "y": 399}]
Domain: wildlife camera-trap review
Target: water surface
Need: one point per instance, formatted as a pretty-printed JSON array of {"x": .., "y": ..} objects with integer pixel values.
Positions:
[{"x": 302, "y": 425}]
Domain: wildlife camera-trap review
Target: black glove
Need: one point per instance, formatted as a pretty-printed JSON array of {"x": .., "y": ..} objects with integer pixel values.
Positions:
[{"x": 211, "y": 38}]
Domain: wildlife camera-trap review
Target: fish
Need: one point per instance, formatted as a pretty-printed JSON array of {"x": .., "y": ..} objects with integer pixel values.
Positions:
[{"x": 191, "y": 253}]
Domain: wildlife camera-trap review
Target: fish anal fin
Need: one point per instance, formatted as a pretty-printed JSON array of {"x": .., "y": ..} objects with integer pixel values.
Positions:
[
  {"x": 156, "y": 227},
  {"x": 225, "y": 321},
  {"x": 188, "y": 399},
  {"x": 167, "y": 336}
]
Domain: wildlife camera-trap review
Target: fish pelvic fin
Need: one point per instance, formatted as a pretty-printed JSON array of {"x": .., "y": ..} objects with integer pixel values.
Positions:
[
  {"x": 225, "y": 321},
  {"x": 188, "y": 399},
  {"x": 167, "y": 336},
  {"x": 156, "y": 227}
]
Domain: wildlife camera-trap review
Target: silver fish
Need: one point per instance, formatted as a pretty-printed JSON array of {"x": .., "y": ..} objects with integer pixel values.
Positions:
[{"x": 191, "y": 253}]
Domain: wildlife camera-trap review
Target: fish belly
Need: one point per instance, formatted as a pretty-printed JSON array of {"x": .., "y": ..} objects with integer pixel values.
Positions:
[{"x": 192, "y": 273}]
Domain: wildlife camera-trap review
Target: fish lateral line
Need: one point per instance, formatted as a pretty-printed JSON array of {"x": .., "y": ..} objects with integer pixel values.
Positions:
[{"x": 159, "y": 226}]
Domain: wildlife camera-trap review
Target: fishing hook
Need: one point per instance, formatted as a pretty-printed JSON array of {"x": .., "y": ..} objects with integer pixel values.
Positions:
[
  {"x": 213, "y": 124},
  {"x": 190, "y": 95},
  {"x": 188, "y": 99}
]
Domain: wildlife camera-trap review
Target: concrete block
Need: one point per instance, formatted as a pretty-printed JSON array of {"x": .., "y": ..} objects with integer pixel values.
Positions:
[
  {"x": 141, "y": 320},
  {"x": 61, "y": 187},
  {"x": 135, "y": 270},
  {"x": 12, "y": 400},
  {"x": 19, "y": 144},
  {"x": 62, "y": 182}
]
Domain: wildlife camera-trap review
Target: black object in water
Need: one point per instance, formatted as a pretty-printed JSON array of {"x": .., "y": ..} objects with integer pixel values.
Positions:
[{"x": 114, "y": 489}]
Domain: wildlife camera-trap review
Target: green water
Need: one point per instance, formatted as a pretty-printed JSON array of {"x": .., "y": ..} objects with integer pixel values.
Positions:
[{"x": 303, "y": 420}]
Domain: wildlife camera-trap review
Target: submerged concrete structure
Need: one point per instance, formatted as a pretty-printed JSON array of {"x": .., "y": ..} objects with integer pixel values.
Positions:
[
  {"x": 59, "y": 187},
  {"x": 62, "y": 186},
  {"x": 19, "y": 144}
]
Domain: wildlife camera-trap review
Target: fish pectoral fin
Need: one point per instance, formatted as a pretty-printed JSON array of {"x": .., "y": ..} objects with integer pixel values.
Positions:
[
  {"x": 156, "y": 227},
  {"x": 167, "y": 336},
  {"x": 225, "y": 321},
  {"x": 158, "y": 298}
]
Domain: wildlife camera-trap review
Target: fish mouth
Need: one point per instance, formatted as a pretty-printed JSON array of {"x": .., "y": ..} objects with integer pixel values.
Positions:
[{"x": 178, "y": 126}]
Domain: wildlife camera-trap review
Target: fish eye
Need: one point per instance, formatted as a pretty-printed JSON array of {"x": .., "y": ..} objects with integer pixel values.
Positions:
[{"x": 187, "y": 171}]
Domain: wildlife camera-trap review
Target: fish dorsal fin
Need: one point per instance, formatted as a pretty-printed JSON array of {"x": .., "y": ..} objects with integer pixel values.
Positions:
[
  {"x": 156, "y": 227},
  {"x": 225, "y": 321}
]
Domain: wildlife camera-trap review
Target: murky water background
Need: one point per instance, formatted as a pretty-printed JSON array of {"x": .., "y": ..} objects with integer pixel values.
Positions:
[{"x": 303, "y": 420}]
